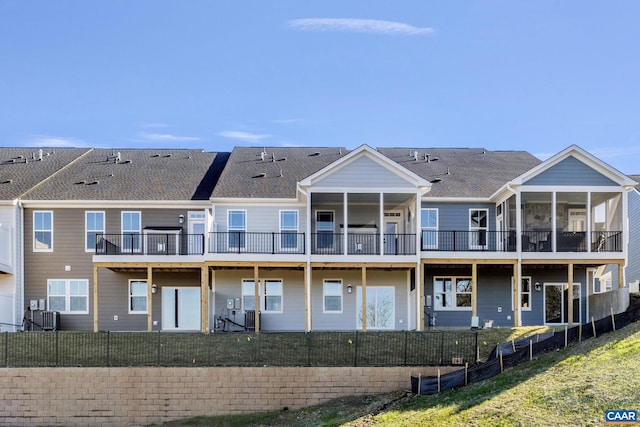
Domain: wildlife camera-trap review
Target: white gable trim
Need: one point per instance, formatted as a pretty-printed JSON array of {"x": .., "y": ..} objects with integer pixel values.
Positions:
[
  {"x": 581, "y": 155},
  {"x": 365, "y": 150}
]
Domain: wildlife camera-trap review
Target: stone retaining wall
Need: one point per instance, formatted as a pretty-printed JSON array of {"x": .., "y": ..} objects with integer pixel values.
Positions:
[{"x": 139, "y": 396}]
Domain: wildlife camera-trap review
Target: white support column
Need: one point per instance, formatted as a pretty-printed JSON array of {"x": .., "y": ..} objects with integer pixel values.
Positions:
[
  {"x": 519, "y": 229},
  {"x": 345, "y": 220},
  {"x": 589, "y": 229},
  {"x": 382, "y": 230},
  {"x": 554, "y": 241}
]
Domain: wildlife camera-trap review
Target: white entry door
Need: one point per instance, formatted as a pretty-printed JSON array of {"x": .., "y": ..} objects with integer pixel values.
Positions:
[{"x": 180, "y": 308}]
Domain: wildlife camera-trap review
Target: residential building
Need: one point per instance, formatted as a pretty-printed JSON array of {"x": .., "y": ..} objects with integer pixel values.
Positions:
[
  {"x": 312, "y": 239},
  {"x": 21, "y": 169}
]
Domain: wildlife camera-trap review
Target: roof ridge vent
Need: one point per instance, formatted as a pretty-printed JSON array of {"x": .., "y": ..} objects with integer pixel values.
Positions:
[
  {"x": 260, "y": 175},
  {"x": 7, "y": 181},
  {"x": 415, "y": 155}
]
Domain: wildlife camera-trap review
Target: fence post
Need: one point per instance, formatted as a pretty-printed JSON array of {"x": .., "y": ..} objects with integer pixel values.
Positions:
[
  {"x": 158, "y": 361},
  {"x": 405, "y": 347},
  {"x": 613, "y": 320},
  {"x": 57, "y": 355},
  {"x": 593, "y": 326},
  {"x": 209, "y": 349},
  {"x": 6, "y": 349},
  {"x": 108, "y": 349},
  {"x": 477, "y": 349},
  {"x": 441, "y": 347},
  {"x": 355, "y": 353},
  {"x": 308, "y": 337}
]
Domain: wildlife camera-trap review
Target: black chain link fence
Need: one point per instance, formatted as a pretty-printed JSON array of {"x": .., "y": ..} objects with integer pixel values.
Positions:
[
  {"x": 508, "y": 355},
  {"x": 117, "y": 349}
]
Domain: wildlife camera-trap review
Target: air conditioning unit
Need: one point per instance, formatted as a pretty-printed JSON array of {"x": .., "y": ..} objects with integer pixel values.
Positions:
[{"x": 50, "y": 320}]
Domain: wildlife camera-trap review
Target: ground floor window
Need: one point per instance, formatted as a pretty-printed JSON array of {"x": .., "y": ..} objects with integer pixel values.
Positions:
[
  {"x": 380, "y": 307},
  {"x": 452, "y": 293},
  {"x": 248, "y": 295},
  {"x": 68, "y": 295},
  {"x": 273, "y": 295},
  {"x": 332, "y": 296},
  {"x": 137, "y": 296}
]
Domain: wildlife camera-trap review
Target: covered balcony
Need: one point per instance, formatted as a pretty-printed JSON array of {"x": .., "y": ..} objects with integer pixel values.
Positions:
[
  {"x": 571, "y": 221},
  {"x": 363, "y": 224}
]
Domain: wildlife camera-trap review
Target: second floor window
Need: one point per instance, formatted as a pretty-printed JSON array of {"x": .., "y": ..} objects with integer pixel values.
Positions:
[
  {"x": 237, "y": 228},
  {"x": 93, "y": 225},
  {"x": 429, "y": 224},
  {"x": 43, "y": 231},
  {"x": 131, "y": 230},
  {"x": 288, "y": 229}
]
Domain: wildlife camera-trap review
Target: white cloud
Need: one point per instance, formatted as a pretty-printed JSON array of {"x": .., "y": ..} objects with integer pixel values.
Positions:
[
  {"x": 167, "y": 137},
  {"x": 358, "y": 26},
  {"x": 56, "y": 141},
  {"x": 287, "y": 121},
  {"x": 243, "y": 136}
]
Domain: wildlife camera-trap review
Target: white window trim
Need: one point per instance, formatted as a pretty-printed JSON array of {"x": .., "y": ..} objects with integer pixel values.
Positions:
[
  {"x": 67, "y": 288},
  {"x": 139, "y": 231},
  {"x": 35, "y": 248},
  {"x": 521, "y": 292},
  {"x": 478, "y": 229},
  {"x": 146, "y": 295},
  {"x": 230, "y": 229},
  {"x": 86, "y": 228},
  {"x": 454, "y": 293},
  {"x": 324, "y": 307},
  {"x": 427, "y": 228},
  {"x": 242, "y": 294},
  {"x": 264, "y": 297},
  {"x": 359, "y": 305},
  {"x": 284, "y": 230}
]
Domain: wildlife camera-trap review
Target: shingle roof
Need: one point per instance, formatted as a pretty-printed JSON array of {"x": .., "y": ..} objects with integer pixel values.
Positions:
[
  {"x": 21, "y": 169},
  {"x": 463, "y": 172},
  {"x": 472, "y": 172},
  {"x": 134, "y": 174},
  {"x": 247, "y": 175}
]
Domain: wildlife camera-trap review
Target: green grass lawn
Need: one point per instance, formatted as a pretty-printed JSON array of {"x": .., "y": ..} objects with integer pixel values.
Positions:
[{"x": 570, "y": 387}]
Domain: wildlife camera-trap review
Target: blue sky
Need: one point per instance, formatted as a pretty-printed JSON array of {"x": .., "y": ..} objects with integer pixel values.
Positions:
[{"x": 502, "y": 75}]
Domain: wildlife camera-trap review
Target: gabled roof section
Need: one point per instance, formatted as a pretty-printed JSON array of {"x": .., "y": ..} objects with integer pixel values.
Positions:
[
  {"x": 134, "y": 174},
  {"x": 462, "y": 173},
  {"x": 585, "y": 169},
  {"x": 636, "y": 178},
  {"x": 272, "y": 172},
  {"x": 23, "y": 168},
  {"x": 370, "y": 168}
]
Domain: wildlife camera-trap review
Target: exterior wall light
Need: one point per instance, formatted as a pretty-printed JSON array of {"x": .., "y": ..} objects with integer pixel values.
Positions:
[
  {"x": 349, "y": 289},
  {"x": 181, "y": 219}
]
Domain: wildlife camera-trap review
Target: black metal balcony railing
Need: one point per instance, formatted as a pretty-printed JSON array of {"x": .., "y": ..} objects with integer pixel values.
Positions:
[
  {"x": 256, "y": 243},
  {"x": 531, "y": 241},
  {"x": 149, "y": 244},
  {"x": 475, "y": 240},
  {"x": 362, "y": 244}
]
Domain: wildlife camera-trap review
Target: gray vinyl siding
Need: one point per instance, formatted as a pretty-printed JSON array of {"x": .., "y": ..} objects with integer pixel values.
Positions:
[
  {"x": 494, "y": 291},
  {"x": 228, "y": 285},
  {"x": 632, "y": 272},
  {"x": 69, "y": 250},
  {"x": 571, "y": 171},
  {"x": 455, "y": 216},
  {"x": 347, "y": 320},
  {"x": 363, "y": 172},
  {"x": 259, "y": 218}
]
